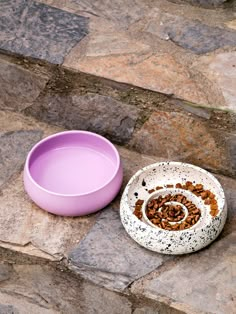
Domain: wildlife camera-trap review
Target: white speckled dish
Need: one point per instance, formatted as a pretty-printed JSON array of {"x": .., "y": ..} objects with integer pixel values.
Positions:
[{"x": 156, "y": 239}]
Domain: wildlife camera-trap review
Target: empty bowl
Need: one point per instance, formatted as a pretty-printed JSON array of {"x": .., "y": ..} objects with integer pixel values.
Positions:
[
  {"x": 73, "y": 173},
  {"x": 163, "y": 179}
]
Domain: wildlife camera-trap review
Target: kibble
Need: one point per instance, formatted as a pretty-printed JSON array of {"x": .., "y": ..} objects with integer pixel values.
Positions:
[
  {"x": 164, "y": 215},
  {"x": 173, "y": 213}
]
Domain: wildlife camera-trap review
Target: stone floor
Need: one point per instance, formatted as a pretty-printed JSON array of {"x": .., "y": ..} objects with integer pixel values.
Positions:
[
  {"x": 202, "y": 282},
  {"x": 172, "y": 48},
  {"x": 158, "y": 78}
]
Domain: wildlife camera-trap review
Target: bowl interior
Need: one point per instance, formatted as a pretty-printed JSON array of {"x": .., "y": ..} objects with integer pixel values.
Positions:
[
  {"x": 73, "y": 163},
  {"x": 143, "y": 184}
]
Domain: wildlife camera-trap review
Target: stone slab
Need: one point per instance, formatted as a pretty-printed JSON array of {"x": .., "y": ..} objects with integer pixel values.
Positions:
[
  {"x": 221, "y": 70},
  {"x": 229, "y": 186},
  {"x": 145, "y": 310},
  {"x": 24, "y": 224},
  {"x": 36, "y": 30},
  {"x": 14, "y": 147},
  {"x": 200, "y": 283},
  {"x": 11, "y": 122},
  {"x": 108, "y": 257},
  {"x": 19, "y": 87},
  {"x": 179, "y": 136},
  {"x": 8, "y": 309},
  {"x": 41, "y": 289},
  {"x": 207, "y": 3},
  {"x": 232, "y": 24},
  {"x": 232, "y": 150},
  {"x": 120, "y": 12},
  {"x": 5, "y": 272},
  {"x": 191, "y": 34},
  {"x": 93, "y": 112},
  {"x": 142, "y": 70}
]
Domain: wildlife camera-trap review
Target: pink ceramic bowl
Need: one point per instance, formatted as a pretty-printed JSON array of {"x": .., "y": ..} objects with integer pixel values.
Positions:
[{"x": 73, "y": 173}]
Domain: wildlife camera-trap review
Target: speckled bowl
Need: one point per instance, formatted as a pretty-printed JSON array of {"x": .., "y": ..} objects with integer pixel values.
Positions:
[{"x": 156, "y": 239}]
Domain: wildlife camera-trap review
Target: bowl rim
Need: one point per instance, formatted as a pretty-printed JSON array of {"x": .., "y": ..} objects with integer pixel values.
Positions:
[
  {"x": 33, "y": 149},
  {"x": 124, "y": 198}
]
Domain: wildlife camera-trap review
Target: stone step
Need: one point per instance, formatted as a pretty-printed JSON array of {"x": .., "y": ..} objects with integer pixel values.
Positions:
[
  {"x": 112, "y": 275},
  {"x": 172, "y": 48},
  {"x": 139, "y": 119},
  {"x": 156, "y": 76}
]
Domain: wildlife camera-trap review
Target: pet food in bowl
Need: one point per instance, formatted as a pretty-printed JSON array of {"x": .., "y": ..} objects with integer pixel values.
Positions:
[{"x": 173, "y": 208}]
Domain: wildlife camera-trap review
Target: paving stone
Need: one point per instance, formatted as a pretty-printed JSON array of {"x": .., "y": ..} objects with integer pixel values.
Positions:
[
  {"x": 99, "y": 300},
  {"x": 203, "y": 282},
  {"x": 108, "y": 257},
  {"x": 232, "y": 24},
  {"x": 142, "y": 70},
  {"x": 221, "y": 70},
  {"x": 229, "y": 186},
  {"x": 14, "y": 122},
  {"x": 177, "y": 136},
  {"x": 207, "y": 3},
  {"x": 14, "y": 147},
  {"x": 119, "y": 11},
  {"x": 232, "y": 150},
  {"x": 112, "y": 42},
  {"x": 101, "y": 114},
  {"x": 190, "y": 34},
  {"x": 198, "y": 111},
  {"x": 5, "y": 272},
  {"x": 145, "y": 310},
  {"x": 8, "y": 309},
  {"x": 53, "y": 291},
  {"x": 33, "y": 29},
  {"x": 18, "y": 86},
  {"x": 31, "y": 230}
]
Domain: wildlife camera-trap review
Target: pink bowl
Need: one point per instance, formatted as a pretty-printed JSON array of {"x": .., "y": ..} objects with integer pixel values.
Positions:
[{"x": 73, "y": 173}]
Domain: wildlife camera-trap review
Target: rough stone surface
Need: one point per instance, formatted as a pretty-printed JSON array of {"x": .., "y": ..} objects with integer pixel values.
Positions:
[
  {"x": 11, "y": 122},
  {"x": 229, "y": 186},
  {"x": 232, "y": 24},
  {"x": 14, "y": 147},
  {"x": 178, "y": 136},
  {"x": 221, "y": 69},
  {"x": 232, "y": 150},
  {"x": 119, "y": 11},
  {"x": 103, "y": 301},
  {"x": 5, "y": 272},
  {"x": 39, "y": 31},
  {"x": 190, "y": 34},
  {"x": 145, "y": 310},
  {"x": 19, "y": 87},
  {"x": 108, "y": 257},
  {"x": 93, "y": 112},
  {"x": 198, "y": 111},
  {"x": 40, "y": 289},
  {"x": 204, "y": 281},
  {"x": 207, "y": 3},
  {"x": 8, "y": 309},
  {"x": 29, "y": 229},
  {"x": 142, "y": 70}
]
